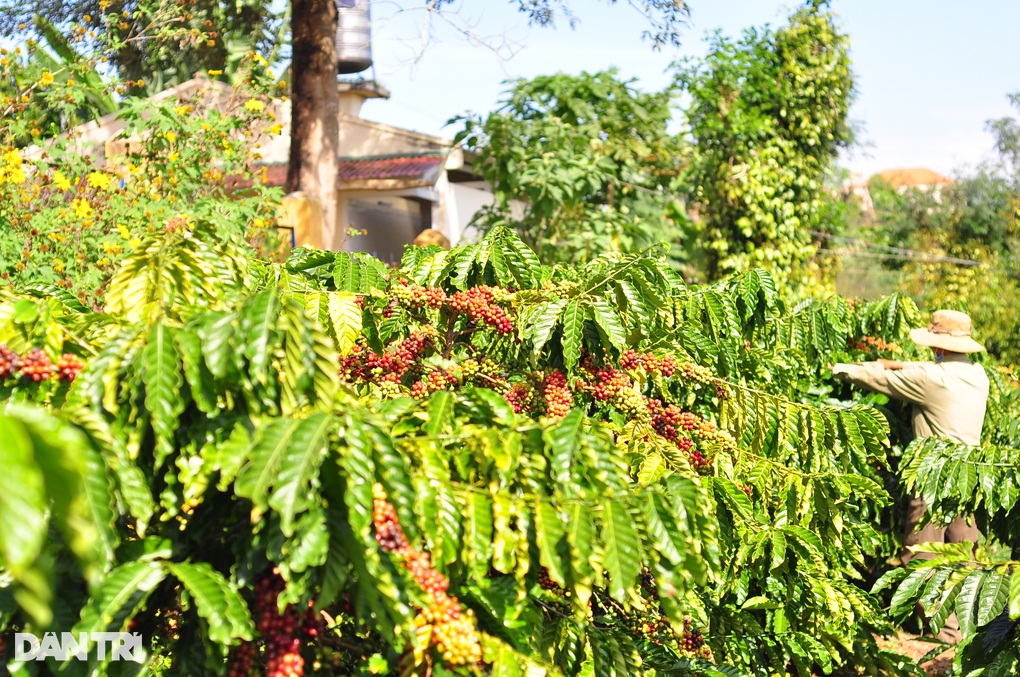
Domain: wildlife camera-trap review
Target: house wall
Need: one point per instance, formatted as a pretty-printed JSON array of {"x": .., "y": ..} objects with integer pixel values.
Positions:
[
  {"x": 362, "y": 138},
  {"x": 465, "y": 200}
]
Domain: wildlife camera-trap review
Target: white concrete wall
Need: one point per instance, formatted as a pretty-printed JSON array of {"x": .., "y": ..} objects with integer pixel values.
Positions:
[{"x": 465, "y": 200}]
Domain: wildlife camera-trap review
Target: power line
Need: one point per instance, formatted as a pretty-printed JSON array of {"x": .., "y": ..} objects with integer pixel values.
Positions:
[
  {"x": 897, "y": 253},
  {"x": 899, "y": 257}
]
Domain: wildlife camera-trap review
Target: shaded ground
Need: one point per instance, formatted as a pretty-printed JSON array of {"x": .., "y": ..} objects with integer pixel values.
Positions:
[{"x": 917, "y": 648}]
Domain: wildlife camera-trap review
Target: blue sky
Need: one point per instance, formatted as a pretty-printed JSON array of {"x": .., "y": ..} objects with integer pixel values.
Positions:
[{"x": 929, "y": 74}]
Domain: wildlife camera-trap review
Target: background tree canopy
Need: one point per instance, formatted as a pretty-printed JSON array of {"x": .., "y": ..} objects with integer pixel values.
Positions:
[
  {"x": 768, "y": 117},
  {"x": 148, "y": 45},
  {"x": 589, "y": 149}
]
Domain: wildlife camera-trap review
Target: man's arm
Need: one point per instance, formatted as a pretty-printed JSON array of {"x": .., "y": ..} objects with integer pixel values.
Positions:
[{"x": 900, "y": 380}]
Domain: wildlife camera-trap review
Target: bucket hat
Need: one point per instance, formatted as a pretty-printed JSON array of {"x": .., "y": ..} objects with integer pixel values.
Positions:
[{"x": 949, "y": 330}]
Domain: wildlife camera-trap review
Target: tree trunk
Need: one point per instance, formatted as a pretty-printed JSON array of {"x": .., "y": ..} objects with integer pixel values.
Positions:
[{"x": 315, "y": 108}]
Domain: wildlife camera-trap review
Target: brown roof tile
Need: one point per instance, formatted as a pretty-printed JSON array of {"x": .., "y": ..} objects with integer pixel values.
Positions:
[
  {"x": 390, "y": 167},
  {"x": 418, "y": 166},
  {"x": 911, "y": 178}
]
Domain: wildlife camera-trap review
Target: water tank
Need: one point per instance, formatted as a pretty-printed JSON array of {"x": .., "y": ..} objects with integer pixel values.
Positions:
[{"x": 353, "y": 36}]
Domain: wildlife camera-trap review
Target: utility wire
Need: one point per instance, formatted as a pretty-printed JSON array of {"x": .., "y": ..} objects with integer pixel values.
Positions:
[
  {"x": 889, "y": 252},
  {"x": 898, "y": 257}
]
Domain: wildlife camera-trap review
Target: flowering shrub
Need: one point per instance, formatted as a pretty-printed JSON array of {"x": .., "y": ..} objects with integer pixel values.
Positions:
[{"x": 75, "y": 199}]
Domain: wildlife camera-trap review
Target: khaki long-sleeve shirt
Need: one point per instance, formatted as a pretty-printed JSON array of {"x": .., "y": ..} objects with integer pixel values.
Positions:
[{"x": 949, "y": 397}]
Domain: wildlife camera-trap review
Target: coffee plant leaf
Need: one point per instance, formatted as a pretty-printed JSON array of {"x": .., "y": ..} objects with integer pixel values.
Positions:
[{"x": 218, "y": 602}]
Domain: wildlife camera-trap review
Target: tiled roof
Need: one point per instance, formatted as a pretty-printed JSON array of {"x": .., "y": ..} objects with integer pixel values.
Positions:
[
  {"x": 419, "y": 166},
  {"x": 390, "y": 167},
  {"x": 911, "y": 178}
]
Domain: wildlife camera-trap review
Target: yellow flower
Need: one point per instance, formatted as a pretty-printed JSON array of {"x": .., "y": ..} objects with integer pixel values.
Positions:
[
  {"x": 254, "y": 105},
  {"x": 216, "y": 72},
  {"x": 276, "y": 129},
  {"x": 99, "y": 180},
  {"x": 10, "y": 167},
  {"x": 58, "y": 265},
  {"x": 82, "y": 208},
  {"x": 182, "y": 110},
  {"x": 46, "y": 79},
  {"x": 124, "y": 232},
  {"x": 170, "y": 136},
  {"x": 135, "y": 242},
  {"x": 174, "y": 156},
  {"x": 61, "y": 181}
]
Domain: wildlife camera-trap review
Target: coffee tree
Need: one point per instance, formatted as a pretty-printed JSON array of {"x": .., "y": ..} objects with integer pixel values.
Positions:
[{"x": 473, "y": 464}]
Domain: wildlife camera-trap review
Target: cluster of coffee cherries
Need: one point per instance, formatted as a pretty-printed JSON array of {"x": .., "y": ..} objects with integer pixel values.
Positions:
[
  {"x": 545, "y": 392},
  {"x": 679, "y": 427},
  {"x": 692, "y": 375},
  {"x": 653, "y": 627},
  {"x": 521, "y": 396},
  {"x": 415, "y": 296},
  {"x": 36, "y": 366},
  {"x": 483, "y": 371},
  {"x": 242, "y": 660},
  {"x": 480, "y": 304},
  {"x": 692, "y": 642},
  {"x": 546, "y": 582},
  {"x": 667, "y": 367},
  {"x": 631, "y": 359},
  {"x": 434, "y": 381},
  {"x": 453, "y": 629},
  {"x": 399, "y": 358},
  {"x": 283, "y": 634},
  {"x": 557, "y": 395},
  {"x": 873, "y": 344}
]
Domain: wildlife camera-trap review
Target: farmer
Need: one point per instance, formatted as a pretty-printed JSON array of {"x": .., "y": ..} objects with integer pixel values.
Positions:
[{"x": 949, "y": 397}]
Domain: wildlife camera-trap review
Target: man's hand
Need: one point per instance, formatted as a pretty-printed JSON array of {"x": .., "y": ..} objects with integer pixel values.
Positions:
[{"x": 890, "y": 364}]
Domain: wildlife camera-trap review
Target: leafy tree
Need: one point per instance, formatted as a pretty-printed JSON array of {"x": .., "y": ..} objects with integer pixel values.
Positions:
[
  {"x": 768, "y": 116},
  {"x": 153, "y": 45},
  {"x": 1007, "y": 138},
  {"x": 586, "y": 149},
  {"x": 972, "y": 219},
  {"x": 977, "y": 209},
  {"x": 67, "y": 221}
]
